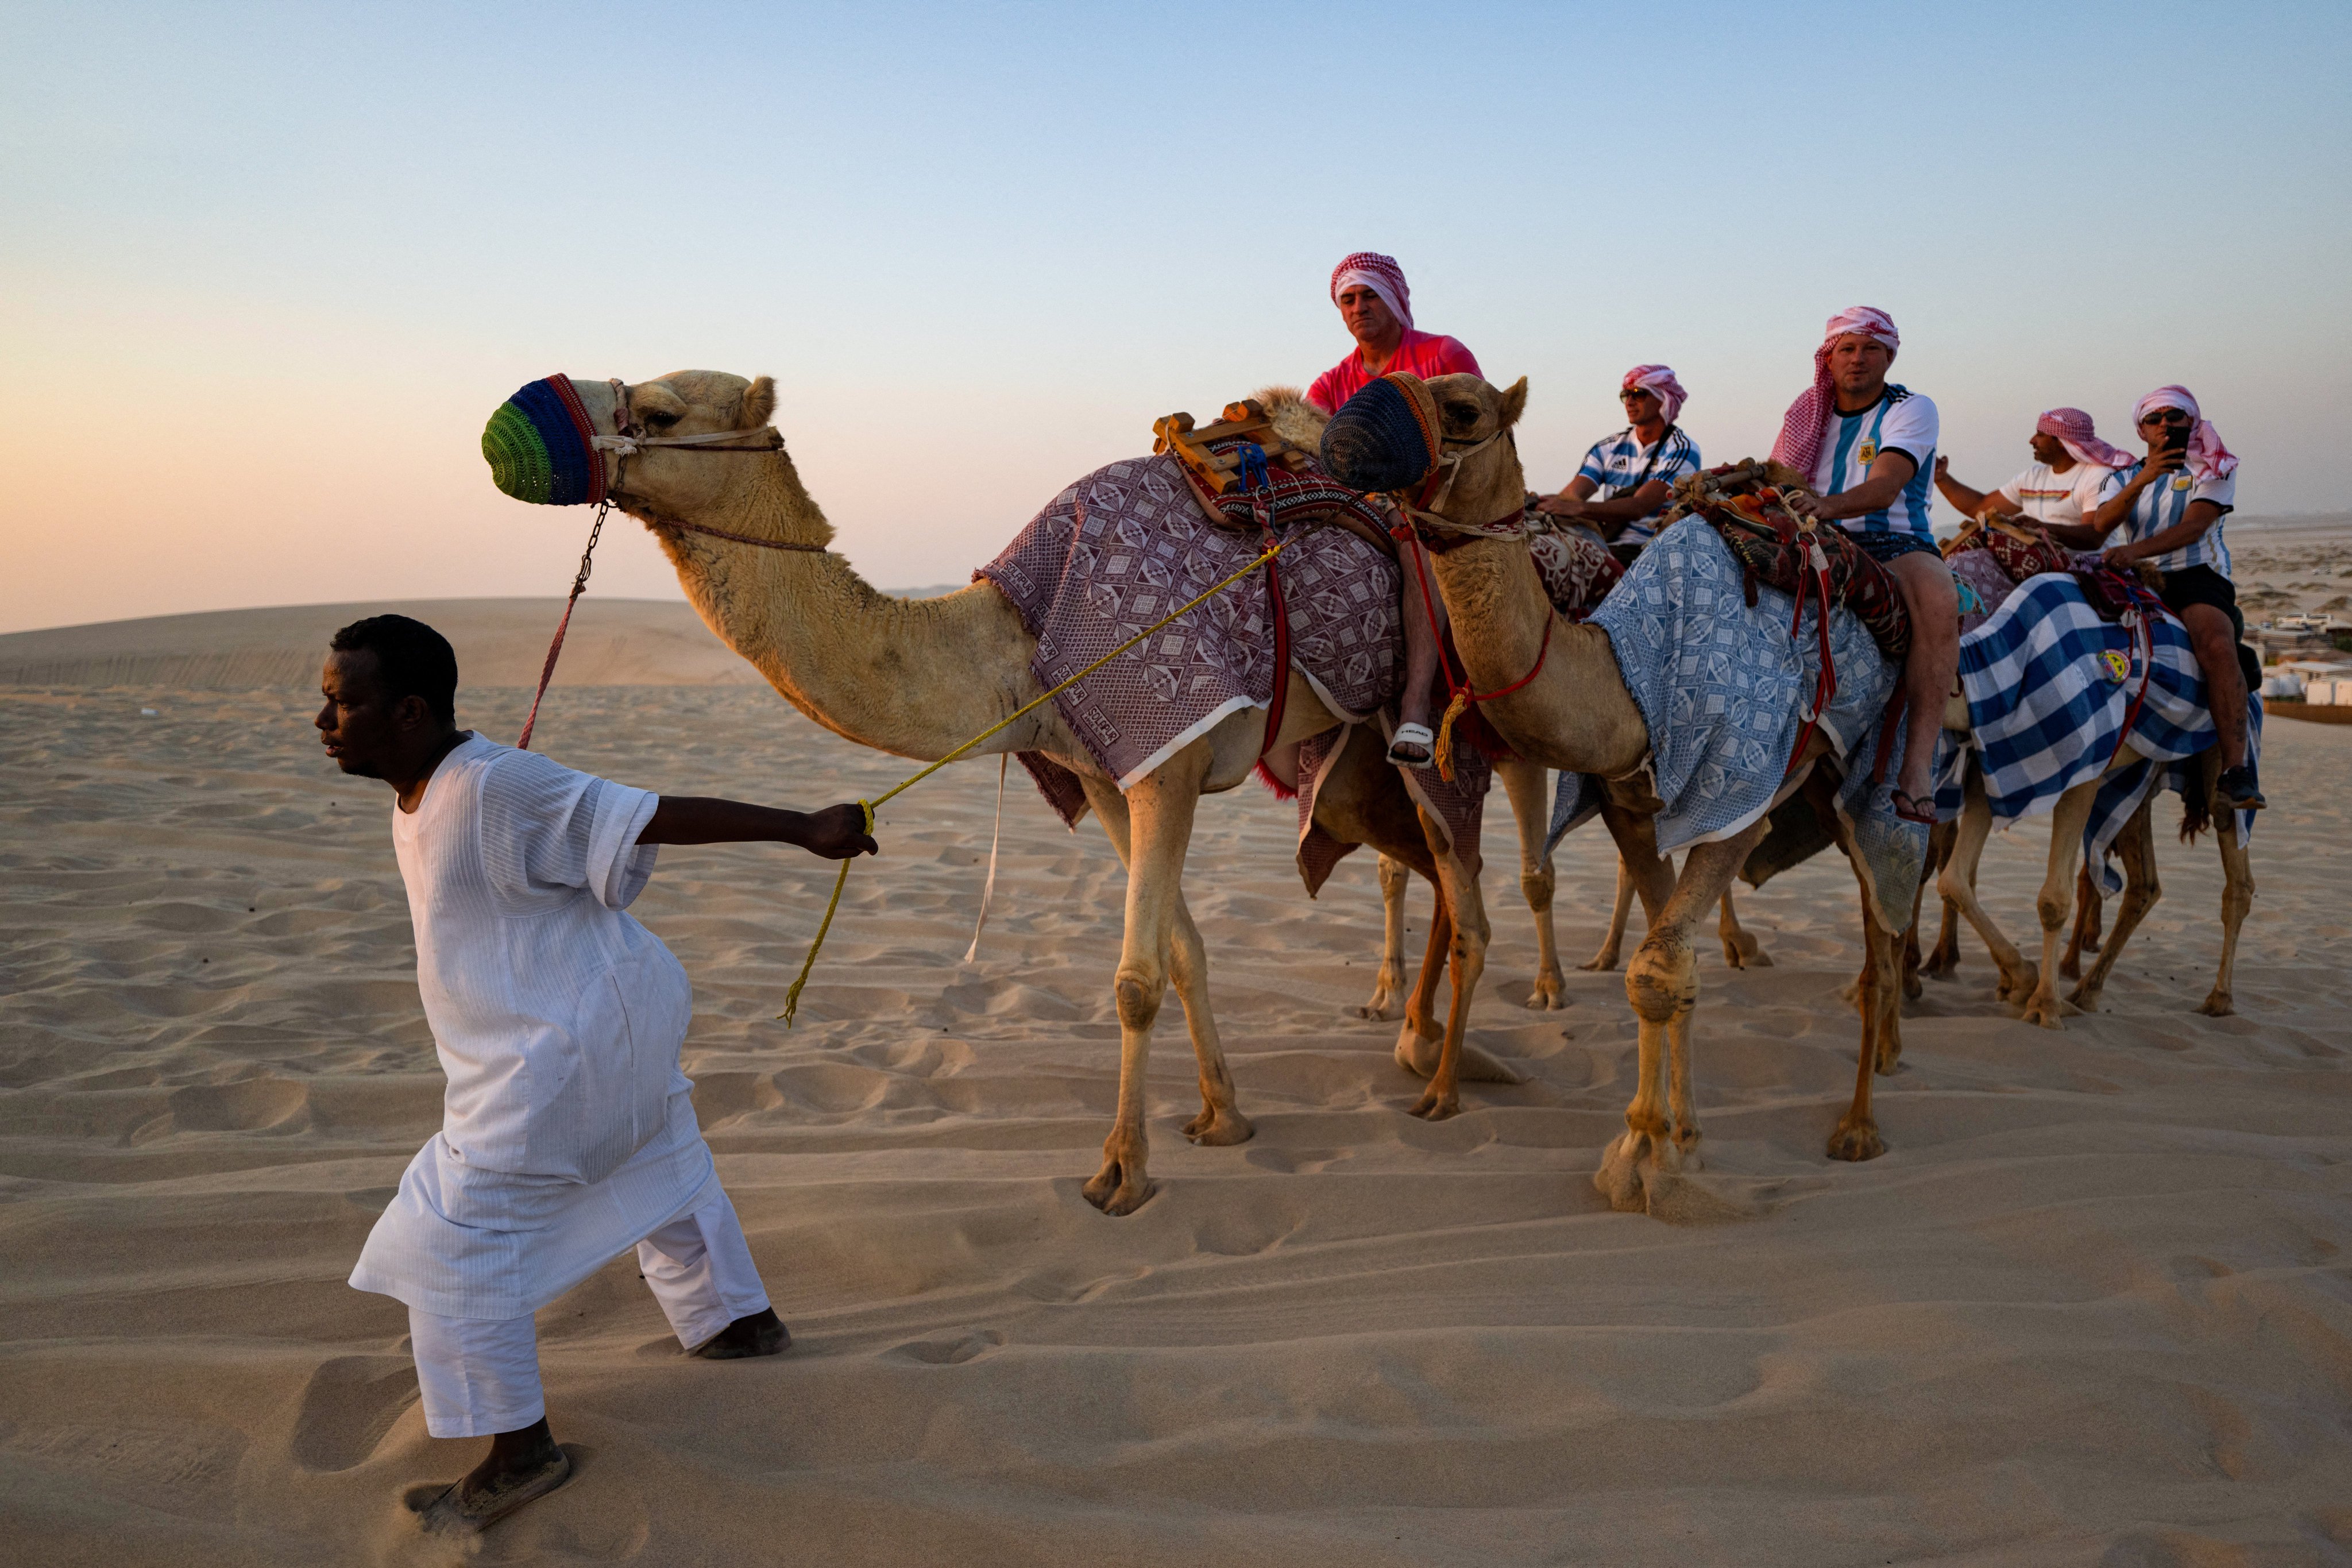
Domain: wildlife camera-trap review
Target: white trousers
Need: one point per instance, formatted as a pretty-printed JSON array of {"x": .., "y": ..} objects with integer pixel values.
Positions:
[{"x": 480, "y": 1377}]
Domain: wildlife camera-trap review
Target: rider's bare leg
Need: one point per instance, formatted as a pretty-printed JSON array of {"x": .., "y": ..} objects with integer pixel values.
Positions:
[
  {"x": 1420, "y": 637},
  {"x": 1926, "y": 583}
]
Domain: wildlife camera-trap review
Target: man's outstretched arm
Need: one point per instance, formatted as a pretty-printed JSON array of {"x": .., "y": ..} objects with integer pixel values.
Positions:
[{"x": 837, "y": 833}]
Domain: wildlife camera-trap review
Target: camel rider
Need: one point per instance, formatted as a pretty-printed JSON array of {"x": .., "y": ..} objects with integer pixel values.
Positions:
[
  {"x": 2062, "y": 485},
  {"x": 1867, "y": 447},
  {"x": 1631, "y": 473},
  {"x": 568, "y": 1133},
  {"x": 1377, "y": 307},
  {"x": 2170, "y": 505}
]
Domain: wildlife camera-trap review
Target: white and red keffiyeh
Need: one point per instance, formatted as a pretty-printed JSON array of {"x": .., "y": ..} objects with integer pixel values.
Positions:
[
  {"x": 2074, "y": 431},
  {"x": 1382, "y": 275},
  {"x": 2208, "y": 459},
  {"x": 1808, "y": 419},
  {"x": 1659, "y": 380}
]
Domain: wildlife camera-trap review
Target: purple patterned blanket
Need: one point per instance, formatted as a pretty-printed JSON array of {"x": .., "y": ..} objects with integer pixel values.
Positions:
[{"x": 1128, "y": 544}]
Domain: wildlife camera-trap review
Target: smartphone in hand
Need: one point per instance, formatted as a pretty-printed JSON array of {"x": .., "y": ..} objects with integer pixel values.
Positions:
[{"x": 2176, "y": 437}]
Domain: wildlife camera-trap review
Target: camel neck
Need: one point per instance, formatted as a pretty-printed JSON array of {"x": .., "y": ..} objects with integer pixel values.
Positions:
[{"x": 913, "y": 676}]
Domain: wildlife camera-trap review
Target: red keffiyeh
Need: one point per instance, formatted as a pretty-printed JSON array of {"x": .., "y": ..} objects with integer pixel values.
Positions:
[
  {"x": 1382, "y": 275},
  {"x": 2208, "y": 459},
  {"x": 2074, "y": 432},
  {"x": 1660, "y": 380},
  {"x": 1808, "y": 419}
]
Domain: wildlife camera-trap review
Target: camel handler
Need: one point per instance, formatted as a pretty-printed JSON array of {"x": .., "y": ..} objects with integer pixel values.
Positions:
[
  {"x": 1632, "y": 472},
  {"x": 1377, "y": 306},
  {"x": 2060, "y": 486},
  {"x": 1868, "y": 446},
  {"x": 567, "y": 1133},
  {"x": 2171, "y": 504}
]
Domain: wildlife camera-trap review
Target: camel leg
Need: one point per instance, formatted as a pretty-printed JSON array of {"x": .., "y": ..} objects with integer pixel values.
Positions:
[
  {"x": 1606, "y": 959},
  {"x": 1942, "y": 839},
  {"x": 2135, "y": 847},
  {"x": 1957, "y": 885},
  {"x": 2056, "y": 899},
  {"x": 1157, "y": 817},
  {"x": 2237, "y": 889},
  {"x": 1661, "y": 982},
  {"x": 1880, "y": 1004},
  {"x": 1524, "y": 782},
  {"x": 2089, "y": 903},
  {"x": 1740, "y": 948},
  {"x": 1387, "y": 987},
  {"x": 1420, "y": 1043},
  {"x": 1465, "y": 950}
]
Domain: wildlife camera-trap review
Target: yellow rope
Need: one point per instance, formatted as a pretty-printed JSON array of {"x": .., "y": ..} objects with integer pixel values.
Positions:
[{"x": 793, "y": 996}]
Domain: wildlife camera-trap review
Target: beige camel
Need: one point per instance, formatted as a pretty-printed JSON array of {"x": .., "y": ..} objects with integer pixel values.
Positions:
[
  {"x": 2065, "y": 888},
  {"x": 1576, "y": 714},
  {"x": 918, "y": 678}
]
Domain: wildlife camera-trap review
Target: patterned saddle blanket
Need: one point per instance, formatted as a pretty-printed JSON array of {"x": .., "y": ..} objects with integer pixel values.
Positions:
[
  {"x": 1990, "y": 562},
  {"x": 1774, "y": 548},
  {"x": 1128, "y": 544}
]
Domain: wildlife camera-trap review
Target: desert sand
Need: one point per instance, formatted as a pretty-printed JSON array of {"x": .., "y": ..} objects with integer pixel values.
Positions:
[{"x": 2094, "y": 1306}]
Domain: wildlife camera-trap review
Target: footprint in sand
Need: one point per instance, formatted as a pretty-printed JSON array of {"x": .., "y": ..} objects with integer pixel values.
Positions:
[
  {"x": 950, "y": 1350},
  {"x": 348, "y": 1405},
  {"x": 249, "y": 1106}
]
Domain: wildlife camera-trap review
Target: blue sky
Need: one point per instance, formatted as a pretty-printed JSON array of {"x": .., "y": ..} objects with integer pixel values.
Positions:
[{"x": 263, "y": 272}]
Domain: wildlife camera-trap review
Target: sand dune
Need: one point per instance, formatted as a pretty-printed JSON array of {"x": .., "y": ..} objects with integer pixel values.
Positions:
[{"x": 2094, "y": 1306}]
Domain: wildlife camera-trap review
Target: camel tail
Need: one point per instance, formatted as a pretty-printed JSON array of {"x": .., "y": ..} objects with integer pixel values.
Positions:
[{"x": 2196, "y": 815}]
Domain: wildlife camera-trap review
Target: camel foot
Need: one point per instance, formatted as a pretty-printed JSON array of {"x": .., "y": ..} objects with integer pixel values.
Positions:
[
  {"x": 1620, "y": 1176},
  {"x": 1550, "y": 994},
  {"x": 1912, "y": 989},
  {"x": 2218, "y": 1004},
  {"x": 1857, "y": 1139},
  {"x": 2084, "y": 998},
  {"x": 1942, "y": 961},
  {"x": 1645, "y": 1172},
  {"x": 1119, "y": 1188},
  {"x": 1600, "y": 963},
  {"x": 1214, "y": 1128},
  {"x": 2017, "y": 984},
  {"x": 1417, "y": 1053},
  {"x": 1434, "y": 1107},
  {"x": 1741, "y": 952},
  {"x": 2044, "y": 1008},
  {"x": 1388, "y": 1002}
]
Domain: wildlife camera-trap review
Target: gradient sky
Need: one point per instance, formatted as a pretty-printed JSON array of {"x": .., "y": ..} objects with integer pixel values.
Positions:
[{"x": 265, "y": 272}]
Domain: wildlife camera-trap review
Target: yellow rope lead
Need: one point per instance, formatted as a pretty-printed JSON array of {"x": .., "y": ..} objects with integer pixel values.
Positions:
[{"x": 793, "y": 995}]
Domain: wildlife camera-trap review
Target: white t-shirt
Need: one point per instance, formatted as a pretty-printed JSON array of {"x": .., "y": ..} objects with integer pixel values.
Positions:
[{"x": 2045, "y": 495}]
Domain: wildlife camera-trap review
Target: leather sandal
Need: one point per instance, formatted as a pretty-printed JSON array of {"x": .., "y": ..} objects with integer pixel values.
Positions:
[{"x": 1412, "y": 746}]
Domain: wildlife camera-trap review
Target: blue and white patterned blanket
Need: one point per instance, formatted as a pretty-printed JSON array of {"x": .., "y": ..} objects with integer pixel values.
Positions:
[
  {"x": 1723, "y": 687},
  {"x": 2050, "y": 686}
]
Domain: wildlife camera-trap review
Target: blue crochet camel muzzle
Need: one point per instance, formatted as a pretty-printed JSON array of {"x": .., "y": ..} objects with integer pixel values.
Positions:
[
  {"x": 1385, "y": 438},
  {"x": 542, "y": 446}
]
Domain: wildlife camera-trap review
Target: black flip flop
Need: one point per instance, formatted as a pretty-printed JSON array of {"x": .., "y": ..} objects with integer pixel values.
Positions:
[{"x": 1908, "y": 808}]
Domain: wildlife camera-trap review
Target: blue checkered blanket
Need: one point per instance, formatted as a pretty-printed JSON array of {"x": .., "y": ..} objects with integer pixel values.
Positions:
[
  {"x": 2120, "y": 796},
  {"x": 1722, "y": 686},
  {"x": 2050, "y": 687}
]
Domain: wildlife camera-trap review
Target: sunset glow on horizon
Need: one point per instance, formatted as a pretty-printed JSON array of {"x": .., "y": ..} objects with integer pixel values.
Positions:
[{"x": 268, "y": 271}]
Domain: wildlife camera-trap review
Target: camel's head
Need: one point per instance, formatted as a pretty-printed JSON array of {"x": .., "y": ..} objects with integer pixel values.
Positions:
[
  {"x": 669, "y": 446},
  {"x": 1444, "y": 443}
]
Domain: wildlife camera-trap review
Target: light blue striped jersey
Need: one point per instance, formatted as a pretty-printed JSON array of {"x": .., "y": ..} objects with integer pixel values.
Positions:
[
  {"x": 1618, "y": 465},
  {"x": 2165, "y": 504},
  {"x": 1900, "y": 421}
]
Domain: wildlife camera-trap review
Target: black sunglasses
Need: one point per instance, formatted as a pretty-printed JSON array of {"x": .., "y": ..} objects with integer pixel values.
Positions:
[{"x": 2165, "y": 416}]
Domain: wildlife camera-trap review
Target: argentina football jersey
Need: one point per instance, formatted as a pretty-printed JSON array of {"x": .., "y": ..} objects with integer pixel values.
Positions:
[
  {"x": 1900, "y": 421},
  {"x": 2165, "y": 504},
  {"x": 1620, "y": 465}
]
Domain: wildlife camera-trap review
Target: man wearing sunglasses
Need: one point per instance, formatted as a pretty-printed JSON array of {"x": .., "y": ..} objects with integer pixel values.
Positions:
[
  {"x": 1626, "y": 478},
  {"x": 2170, "y": 505}
]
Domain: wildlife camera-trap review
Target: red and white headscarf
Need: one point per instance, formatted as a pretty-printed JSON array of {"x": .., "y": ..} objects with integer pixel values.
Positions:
[
  {"x": 1659, "y": 380},
  {"x": 2208, "y": 459},
  {"x": 1382, "y": 275},
  {"x": 2074, "y": 432},
  {"x": 1803, "y": 428}
]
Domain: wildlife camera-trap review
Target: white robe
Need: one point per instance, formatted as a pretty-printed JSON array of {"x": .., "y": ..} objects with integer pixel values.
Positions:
[{"x": 568, "y": 1131}]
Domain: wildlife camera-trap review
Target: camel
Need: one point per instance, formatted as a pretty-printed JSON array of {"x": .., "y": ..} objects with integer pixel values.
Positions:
[
  {"x": 918, "y": 678},
  {"x": 1563, "y": 704}
]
